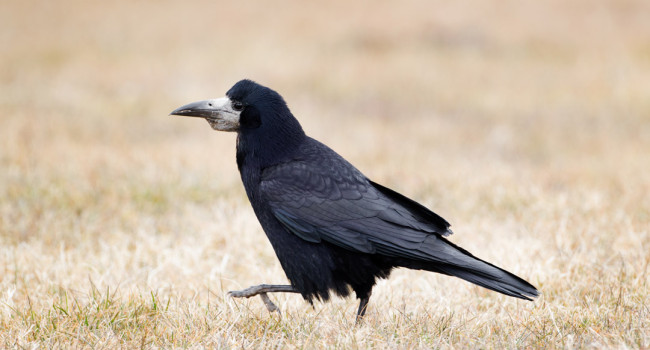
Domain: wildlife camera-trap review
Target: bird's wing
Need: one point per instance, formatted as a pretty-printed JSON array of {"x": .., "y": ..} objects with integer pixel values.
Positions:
[{"x": 332, "y": 201}]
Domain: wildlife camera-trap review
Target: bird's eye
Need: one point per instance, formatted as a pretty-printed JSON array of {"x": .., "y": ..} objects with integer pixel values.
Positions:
[{"x": 238, "y": 106}]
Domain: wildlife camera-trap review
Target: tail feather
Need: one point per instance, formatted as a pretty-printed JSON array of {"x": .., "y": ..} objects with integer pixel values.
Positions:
[
  {"x": 449, "y": 259},
  {"x": 507, "y": 283}
]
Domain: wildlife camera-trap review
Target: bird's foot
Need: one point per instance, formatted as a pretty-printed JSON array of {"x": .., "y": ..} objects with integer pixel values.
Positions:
[
  {"x": 269, "y": 304},
  {"x": 261, "y": 290}
]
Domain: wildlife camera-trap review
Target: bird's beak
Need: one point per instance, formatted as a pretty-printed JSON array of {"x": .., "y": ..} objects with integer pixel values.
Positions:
[
  {"x": 201, "y": 109},
  {"x": 218, "y": 112}
]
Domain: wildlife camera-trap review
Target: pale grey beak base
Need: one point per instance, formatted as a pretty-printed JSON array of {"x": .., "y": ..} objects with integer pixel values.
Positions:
[{"x": 218, "y": 112}]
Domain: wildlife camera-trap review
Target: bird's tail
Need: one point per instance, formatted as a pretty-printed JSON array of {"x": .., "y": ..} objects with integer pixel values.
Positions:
[{"x": 449, "y": 259}]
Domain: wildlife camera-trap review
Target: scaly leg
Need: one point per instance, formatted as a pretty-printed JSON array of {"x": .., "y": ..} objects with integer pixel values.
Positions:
[
  {"x": 363, "y": 305},
  {"x": 262, "y": 289}
]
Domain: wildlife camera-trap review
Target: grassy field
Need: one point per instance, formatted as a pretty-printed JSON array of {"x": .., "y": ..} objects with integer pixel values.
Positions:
[{"x": 525, "y": 124}]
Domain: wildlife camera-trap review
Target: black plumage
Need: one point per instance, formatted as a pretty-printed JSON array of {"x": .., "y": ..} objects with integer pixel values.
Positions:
[{"x": 332, "y": 229}]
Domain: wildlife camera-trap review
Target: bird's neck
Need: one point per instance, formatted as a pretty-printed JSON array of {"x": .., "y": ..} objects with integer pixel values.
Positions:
[{"x": 261, "y": 150}]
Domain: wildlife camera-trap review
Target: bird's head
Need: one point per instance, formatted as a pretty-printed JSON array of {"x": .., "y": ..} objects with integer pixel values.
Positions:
[
  {"x": 264, "y": 124},
  {"x": 247, "y": 106}
]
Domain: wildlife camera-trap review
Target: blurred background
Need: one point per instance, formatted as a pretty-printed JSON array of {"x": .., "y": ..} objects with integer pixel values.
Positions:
[{"x": 525, "y": 123}]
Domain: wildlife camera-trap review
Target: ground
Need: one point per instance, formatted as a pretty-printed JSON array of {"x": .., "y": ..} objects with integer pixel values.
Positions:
[{"x": 525, "y": 124}]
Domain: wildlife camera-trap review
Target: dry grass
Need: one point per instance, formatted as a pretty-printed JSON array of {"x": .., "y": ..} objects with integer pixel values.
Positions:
[{"x": 526, "y": 124}]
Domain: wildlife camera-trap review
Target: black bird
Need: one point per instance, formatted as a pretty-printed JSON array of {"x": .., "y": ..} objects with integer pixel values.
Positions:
[{"x": 332, "y": 228}]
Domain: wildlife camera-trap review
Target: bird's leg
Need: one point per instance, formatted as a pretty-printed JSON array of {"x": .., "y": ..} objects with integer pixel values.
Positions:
[
  {"x": 261, "y": 290},
  {"x": 363, "y": 305}
]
